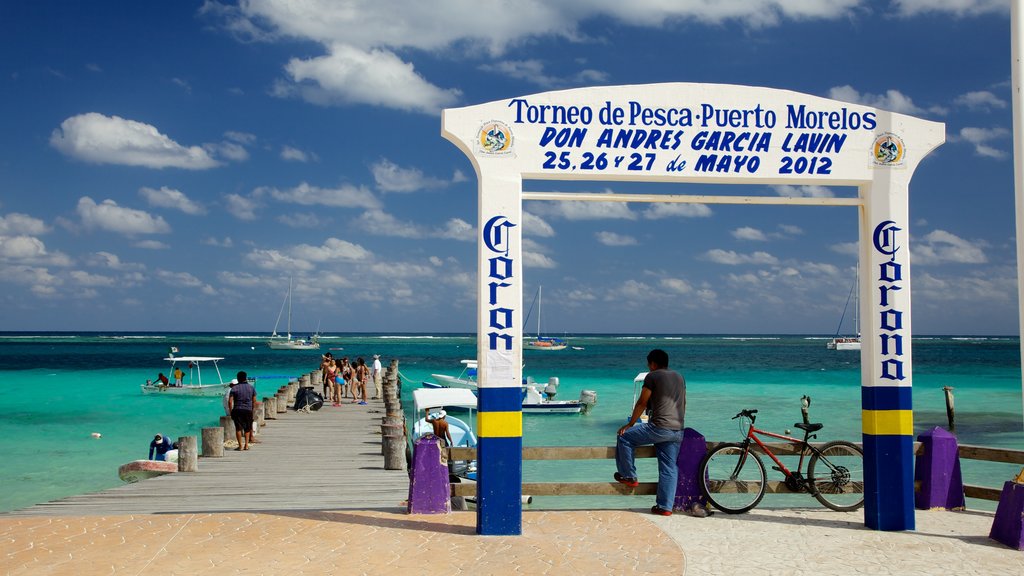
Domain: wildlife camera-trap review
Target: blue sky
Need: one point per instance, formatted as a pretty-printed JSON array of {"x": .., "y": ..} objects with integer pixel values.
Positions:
[{"x": 169, "y": 165}]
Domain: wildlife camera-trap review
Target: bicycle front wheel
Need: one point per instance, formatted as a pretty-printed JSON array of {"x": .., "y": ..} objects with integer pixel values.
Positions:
[
  {"x": 836, "y": 475},
  {"x": 732, "y": 478}
]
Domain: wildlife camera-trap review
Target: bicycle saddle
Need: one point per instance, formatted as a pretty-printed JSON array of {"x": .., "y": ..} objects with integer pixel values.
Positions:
[{"x": 809, "y": 427}]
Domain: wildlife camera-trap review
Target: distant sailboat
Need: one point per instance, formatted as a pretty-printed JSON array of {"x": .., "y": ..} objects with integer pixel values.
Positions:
[
  {"x": 543, "y": 342},
  {"x": 276, "y": 342},
  {"x": 838, "y": 342}
]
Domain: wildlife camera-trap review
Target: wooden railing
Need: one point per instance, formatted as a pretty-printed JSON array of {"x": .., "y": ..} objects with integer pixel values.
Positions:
[{"x": 647, "y": 488}]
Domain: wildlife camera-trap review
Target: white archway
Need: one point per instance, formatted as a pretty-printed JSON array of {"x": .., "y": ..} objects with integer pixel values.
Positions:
[{"x": 695, "y": 133}]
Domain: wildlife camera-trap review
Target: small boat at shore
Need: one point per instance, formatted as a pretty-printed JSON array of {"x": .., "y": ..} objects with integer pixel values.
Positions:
[
  {"x": 428, "y": 400},
  {"x": 137, "y": 470},
  {"x": 193, "y": 385}
]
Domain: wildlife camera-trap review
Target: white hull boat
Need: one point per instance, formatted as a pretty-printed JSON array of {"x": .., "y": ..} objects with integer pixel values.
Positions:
[
  {"x": 542, "y": 342},
  {"x": 427, "y": 400},
  {"x": 278, "y": 342},
  {"x": 192, "y": 384},
  {"x": 535, "y": 399},
  {"x": 838, "y": 342}
]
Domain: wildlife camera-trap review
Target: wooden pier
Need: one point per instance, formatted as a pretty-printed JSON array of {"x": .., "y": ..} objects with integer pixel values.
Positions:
[{"x": 323, "y": 460}]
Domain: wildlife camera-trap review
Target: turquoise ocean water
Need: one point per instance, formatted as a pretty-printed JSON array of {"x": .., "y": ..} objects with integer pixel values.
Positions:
[{"x": 57, "y": 390}]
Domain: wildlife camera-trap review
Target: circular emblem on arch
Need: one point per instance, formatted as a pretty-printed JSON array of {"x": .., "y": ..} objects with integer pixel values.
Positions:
[
  {"x": 495, "y": 137},
  {"x": 888, "y": 149}
]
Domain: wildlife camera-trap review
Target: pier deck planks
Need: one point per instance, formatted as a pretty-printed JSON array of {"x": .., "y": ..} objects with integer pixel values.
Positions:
[{"x": 326, "y": 460}]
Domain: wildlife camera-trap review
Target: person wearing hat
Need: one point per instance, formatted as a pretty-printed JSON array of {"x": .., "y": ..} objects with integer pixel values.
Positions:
[
  {"x": 440, "y": 424},
  {"x": 160, "y": 445},
  {"x": 377, "y": 376}
]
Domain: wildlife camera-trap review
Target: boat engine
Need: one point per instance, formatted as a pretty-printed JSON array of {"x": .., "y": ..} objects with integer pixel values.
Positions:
[
  {"x": 552, "y": 388},
  {"x": 588, "y": 398}
]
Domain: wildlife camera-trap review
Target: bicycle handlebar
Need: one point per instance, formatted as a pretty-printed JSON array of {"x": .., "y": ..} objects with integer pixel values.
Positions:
[{"x": 745, "y": 414}]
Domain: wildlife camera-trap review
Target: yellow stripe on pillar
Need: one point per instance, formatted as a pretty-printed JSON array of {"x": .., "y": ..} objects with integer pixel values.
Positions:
[
  {"x": 887, "y": 422},
  {"x": 499, "y": 424}
]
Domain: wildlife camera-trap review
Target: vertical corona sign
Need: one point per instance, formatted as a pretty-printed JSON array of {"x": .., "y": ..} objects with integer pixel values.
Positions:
[{"x": 704, "y": 133}]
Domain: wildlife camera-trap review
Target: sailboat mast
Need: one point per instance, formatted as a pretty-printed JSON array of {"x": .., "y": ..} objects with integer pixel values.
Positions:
[
  {"x": 289, "y": 308},
  {"x": 540, "y": 305}
]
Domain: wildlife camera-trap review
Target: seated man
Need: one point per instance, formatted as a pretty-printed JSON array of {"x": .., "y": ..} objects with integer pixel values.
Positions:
[{"x": 160, "y": 445}]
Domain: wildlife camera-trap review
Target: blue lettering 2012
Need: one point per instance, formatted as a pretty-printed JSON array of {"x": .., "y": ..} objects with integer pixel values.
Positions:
[{"x": 703, "y": 138}]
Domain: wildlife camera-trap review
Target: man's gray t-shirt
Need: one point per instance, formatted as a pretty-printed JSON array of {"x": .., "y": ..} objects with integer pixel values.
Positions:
[
  {"x": 244, "y": 394},
  {"x": 668, "y": 398}
]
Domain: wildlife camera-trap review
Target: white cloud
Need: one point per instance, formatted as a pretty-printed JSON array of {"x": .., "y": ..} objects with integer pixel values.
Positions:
[
  {"x": 980, "y": 100},
  {"x": 301, "y": 220},
  {"x": 15, "y": 223},
  {"x": 391, "y": 177},
  {"x": 676, "y": 210},
  {"x": 732, "y": 258},
  {"x": 613, "y": 239},
  {"x": 100, "y": 139},
  {"x": 113, "y": 218},
  {"x": 534, "y": 225},
  {"x": 224, "y": 242},
  {"x": 892, "y": 100},
  {"x": 242, "y": 207},
  {"x": 23, "y": 248},
  {"x": 585, "y": 210},
  {"x": 151, "y": 245},
  {"x": 748, "y": 233},
  {"x": 292, "y": 154},
  {"x": 84, "y": 278},
  {"x": 981, "y": 138},
  {"x": 457, "y": 229},
  {"x": 676, "y": 285},
  {"x": 537, "y": 260},
  {"x": 170, "y": 198},
  {"x": 332, "y": 250},
  {"x": 847, "y": 248},
  {"x": 802, "y": 191},
  {"x": 112, "y": 261},
  {"x": 791, "y": 229},
  {"x": 957, "y": 7},
  {"x": 346, "y": 196},
  {"x": 183, "y": 280},
  {"x": 380, "y": 223},
  {"x": 533, "y": 71},
  {"x": 349, "y": 75},
  {"x": 941, "y": 247},
  {"x": 229, "y": 150},
  {"x": 243, "y": 138}
]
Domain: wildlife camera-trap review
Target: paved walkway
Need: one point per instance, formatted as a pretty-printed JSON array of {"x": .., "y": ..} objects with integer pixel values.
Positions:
[{"x": 565, "y": 542}]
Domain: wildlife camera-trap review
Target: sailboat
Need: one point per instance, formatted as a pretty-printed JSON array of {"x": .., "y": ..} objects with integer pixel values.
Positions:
[
  {"x": 276, "y": 342},
  {"x": 838, "y": 342},
  {"x": 542, "y": 342}
]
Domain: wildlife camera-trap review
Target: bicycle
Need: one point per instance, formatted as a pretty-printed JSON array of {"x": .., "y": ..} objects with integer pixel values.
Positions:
[{"x": 733, "y": 477}]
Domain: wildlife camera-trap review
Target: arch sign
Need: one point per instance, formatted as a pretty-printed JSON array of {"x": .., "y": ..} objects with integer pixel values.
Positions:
[{"x": 706, "y": 133}]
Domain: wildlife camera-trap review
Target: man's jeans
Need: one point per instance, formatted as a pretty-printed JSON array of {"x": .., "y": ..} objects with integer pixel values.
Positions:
[{"x": 666, "y": 444}]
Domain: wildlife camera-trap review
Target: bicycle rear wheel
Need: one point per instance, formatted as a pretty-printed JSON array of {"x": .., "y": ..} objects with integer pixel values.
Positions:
[
  {"x": 732, "y": 478},
  {"x": 836, "y": 475}
]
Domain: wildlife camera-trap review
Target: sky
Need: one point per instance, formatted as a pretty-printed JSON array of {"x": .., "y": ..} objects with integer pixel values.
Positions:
[{"x": 168, "y": 166}]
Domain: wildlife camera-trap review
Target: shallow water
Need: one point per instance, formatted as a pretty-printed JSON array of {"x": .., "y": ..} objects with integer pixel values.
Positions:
[{"x": 57, "y": 390}]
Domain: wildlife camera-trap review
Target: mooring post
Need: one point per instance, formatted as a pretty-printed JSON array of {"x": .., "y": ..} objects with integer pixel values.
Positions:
[
  {"x": 213, "y": 442},
  {"x": 188, "y": 456},
  {"x": 950, "y": 416}
]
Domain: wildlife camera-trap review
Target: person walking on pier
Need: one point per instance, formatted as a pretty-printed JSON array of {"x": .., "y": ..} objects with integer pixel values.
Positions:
[
  {"x": 664, "y": 393},
  {"x": 362, "y": 376},
  {"x": 378, "y": 377},
  {"x": 241, "y": 400}
]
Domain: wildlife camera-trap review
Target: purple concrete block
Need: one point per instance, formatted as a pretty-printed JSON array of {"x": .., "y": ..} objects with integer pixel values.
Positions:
[
  {"x": 937, "y": 472},
  {"x": 1007, "y": 525},
  {"x": 429, "y": 490},
  {"x": 691, "y": 453}
]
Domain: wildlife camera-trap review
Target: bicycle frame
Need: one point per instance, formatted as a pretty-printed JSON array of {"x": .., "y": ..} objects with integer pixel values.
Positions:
[{"x": 805, "y": 447}]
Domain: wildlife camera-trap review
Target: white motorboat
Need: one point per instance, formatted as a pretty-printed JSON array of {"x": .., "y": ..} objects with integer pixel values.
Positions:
[
  {"x": 466, "y": 379},
  {"x": 536, "y": 400},
  {"x": 278, "y": 342},
  {"x": 192, "y": 384}
]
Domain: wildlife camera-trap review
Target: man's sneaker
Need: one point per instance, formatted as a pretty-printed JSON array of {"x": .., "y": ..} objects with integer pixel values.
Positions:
[
  {"x": 631, "y": 482},
  {"x": 660, "y": 511}
]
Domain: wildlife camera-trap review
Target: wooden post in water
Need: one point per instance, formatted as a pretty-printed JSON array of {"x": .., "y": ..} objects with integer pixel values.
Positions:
[
  {"x": 950, "y": 415},
  {"x": 282, "y": 402},
  {"x": 257, "y": 413},
  {"x": 188, "y": 455},
  {"x": 269, "y": 408},
  {"x": 229, "y": 427},
  {"x": 213, "y": 442}
]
